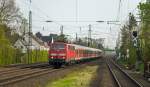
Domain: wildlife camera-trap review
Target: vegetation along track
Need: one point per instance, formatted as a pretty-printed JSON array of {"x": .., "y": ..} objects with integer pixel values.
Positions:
[{"x": 121, "y": 77}]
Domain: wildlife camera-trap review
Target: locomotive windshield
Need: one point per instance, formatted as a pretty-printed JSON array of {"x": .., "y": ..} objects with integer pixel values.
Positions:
[{"x": 58, "y": 46}]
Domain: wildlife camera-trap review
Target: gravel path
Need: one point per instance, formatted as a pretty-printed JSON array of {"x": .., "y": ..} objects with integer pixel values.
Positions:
[{"x": 103, "y": 77}]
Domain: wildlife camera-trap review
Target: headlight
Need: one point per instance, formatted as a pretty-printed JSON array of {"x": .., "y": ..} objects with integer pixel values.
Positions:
[
  {"x": 53, "y": 54},
  {"x": 52, "y": 57},
  {"x": 62, "y": 54}
]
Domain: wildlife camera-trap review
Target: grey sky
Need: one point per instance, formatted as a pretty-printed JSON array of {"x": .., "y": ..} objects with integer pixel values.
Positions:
[{"x": 64, "y": 12}]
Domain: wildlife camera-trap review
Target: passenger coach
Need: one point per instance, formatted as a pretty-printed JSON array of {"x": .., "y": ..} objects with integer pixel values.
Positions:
[{"x": 63, "y": 53}]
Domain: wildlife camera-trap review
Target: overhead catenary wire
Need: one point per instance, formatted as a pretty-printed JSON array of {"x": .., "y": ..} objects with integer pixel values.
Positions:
[
  {"x": 46, "y": 16},
  {"x": 119, "y": 9},
  {"x": 132, "y": 11},
  {"x": 43, "y": 13},
  {"x": 35, "y": 7},
  {"x": 76, "y": 11}
]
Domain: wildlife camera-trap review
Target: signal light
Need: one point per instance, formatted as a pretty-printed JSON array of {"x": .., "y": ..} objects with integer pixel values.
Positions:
[{"x": 134, "y": 33}]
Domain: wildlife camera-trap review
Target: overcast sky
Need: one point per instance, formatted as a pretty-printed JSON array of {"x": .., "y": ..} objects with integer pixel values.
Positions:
[{"x": 73, "y": 14}]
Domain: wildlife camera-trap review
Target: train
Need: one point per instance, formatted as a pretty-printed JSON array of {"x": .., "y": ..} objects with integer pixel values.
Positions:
[{"x": 61, "y": 53}]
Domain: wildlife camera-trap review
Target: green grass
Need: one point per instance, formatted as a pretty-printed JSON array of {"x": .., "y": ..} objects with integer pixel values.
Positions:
[
  {"x": 79, "y": 78},
  {"x": 141, "y": 67},
  {"x": 125, "y": 63},
  {"x": 122, "y": 62}
]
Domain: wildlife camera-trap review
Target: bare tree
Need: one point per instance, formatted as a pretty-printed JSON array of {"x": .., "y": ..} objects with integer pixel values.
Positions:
[{"x": 9, "y": 13}]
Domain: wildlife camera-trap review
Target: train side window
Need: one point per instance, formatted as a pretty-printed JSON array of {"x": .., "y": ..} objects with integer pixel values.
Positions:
[
  {"x": 72, "y": 48},
  {"x": 76, "y": 51},
  {"x": 69, "y": 47}
]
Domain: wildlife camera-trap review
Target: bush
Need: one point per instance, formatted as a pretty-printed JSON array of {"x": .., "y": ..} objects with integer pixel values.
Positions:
[
  {"x": 36, "y": 56},
  {"x": 10, "y": 55}
]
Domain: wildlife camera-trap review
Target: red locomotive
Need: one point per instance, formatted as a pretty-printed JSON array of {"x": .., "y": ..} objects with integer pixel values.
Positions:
[{"x": 63, "y": 53}]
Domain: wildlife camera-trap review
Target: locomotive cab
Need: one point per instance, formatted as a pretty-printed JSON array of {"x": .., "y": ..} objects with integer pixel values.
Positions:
[{"x": 57, "y": 53}]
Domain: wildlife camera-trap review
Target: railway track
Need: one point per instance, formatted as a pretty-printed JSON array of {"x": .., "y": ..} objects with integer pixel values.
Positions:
[
  {"x": 15, "y": 75},
  {"x": 104, "y": 77},
  {"x": 19, "y": 69},
  {"x": 122, "y": 78},
  {"x": 21, "y": 66},
  {"x": 21, "y": 77}
]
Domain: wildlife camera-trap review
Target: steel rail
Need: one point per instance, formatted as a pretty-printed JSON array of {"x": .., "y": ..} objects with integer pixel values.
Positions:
[
  {"x": 18, "y": 78},
  {"x": 113, "y": 74},
  {"x": 123, "y": 73}
]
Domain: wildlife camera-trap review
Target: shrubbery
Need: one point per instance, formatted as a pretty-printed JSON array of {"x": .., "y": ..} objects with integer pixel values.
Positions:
[
  {"x": 7, "y": 52},
  {"x": 11, "y": 55},
  {"x": 36, "y": 56},
  {"x": 11, "y": 15}
]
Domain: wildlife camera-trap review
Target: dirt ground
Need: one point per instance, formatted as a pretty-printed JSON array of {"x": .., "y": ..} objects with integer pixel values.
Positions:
[{"x": 103, "y": 77}]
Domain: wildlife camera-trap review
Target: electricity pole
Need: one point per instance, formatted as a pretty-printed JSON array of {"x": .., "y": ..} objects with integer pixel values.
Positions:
[
  {"x": 80, "y": 31},
  {"x": 24, "y": 27},
  {"x": 61, "y": 30},
  {"x": 76, "y": 38},
  {"x": 30, "y": 32},
  {"x": 30, "y": 27},
  {"x": 89, "y": 35}
]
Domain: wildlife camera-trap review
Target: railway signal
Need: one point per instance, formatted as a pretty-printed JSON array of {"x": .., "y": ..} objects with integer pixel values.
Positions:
[
  {"x": 134, "y": 33},
  {"x": 136, "y": 44},
  {"x": 135, "y": 38}
]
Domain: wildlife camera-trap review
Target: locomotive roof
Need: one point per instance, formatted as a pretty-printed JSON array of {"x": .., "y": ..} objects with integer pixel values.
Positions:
[
  {"x": 84, "y": 47},
  {"x": 79, "y": 46}
]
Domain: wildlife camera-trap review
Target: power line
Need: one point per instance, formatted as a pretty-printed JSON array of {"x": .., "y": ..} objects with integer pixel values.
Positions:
[
  {"x": 76, "y": 11},
  {"x": 119, "y": 8},
  {"x": 29, "y": 7},
  {"x": 35, "y": 7},
  {"x": 38, "y": 9}
]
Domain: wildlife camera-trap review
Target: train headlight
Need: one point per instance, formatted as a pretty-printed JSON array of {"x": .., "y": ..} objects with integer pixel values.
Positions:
[
  {"x": 63, "y": 57},
  {"x": 52, "y": 57}
]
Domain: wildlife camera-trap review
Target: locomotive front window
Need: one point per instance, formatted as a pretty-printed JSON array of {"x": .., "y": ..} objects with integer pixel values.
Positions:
[
  {"x": 71, "y": 47},
  {"x": 58, "y": 46}
]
